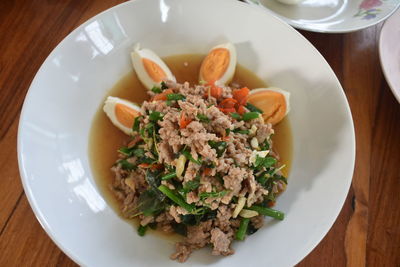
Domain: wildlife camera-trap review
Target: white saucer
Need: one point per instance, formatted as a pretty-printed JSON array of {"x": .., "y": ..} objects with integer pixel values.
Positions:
[{"x": 330, "y": 16}]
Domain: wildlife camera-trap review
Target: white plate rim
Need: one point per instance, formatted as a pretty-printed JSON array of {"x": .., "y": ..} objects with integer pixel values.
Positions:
[{"x": 36, "y": 210}]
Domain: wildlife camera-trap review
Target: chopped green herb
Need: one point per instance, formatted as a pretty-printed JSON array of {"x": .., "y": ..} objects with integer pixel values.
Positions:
[
  {"x": 266, "y": 162},
  {"x": 147, "y": 160},
  {"x": 241, "y": 232},
  {"x": 156, "y": 90},
  {"x": 265, "y": 145},
  {"x": 153, "y": 225},
  {"x": 262, "y": 179},
  {"x": 136, "y": 124},
  {"x": 142, "y": 133},
  {"x": 201, "y": 216},
  {"x": 209, "y": 215},
  {"x": 190, "y": 157},
  {"x": 125, "y": 150},
  {"x": 220, "y": 147},
  {"x": 253, "y": 108},
  {"x": 164, "y": 85},
  {"x": 241, "y": 131},
  {"x": 236, "y": 116},
  {"x": 203, "y": 118},
  {"x": 210, "y": 165},
  {"x": 142, "y": 230},
  {"x": 149, "y": 128},
  {"x": 151, "y": 202},
  {"x": 251, "y": 229},
  {"x": 138, "y": 152},
  {"x": 176, "y": 198},
  {"x": 190, "y": 219},
  {"x": 250, "y": 116},
  {"x": 191, "y": 185},
  {"x": 276, "y": 214},
  {"x": 169, "y": 176},
  {"x": 269, "y": 181},
  {"x": 155, "y": 116},
  {"x": 169, "y": 103},
  {"x": 175, "y": 97},
  {"x": 125, "y": 165},
  {"x": 179, "y": 228},
  {"x": 205, "y": 195},
  {"x": 227, "y": 131},
  {"x": 153, "y": 178}
]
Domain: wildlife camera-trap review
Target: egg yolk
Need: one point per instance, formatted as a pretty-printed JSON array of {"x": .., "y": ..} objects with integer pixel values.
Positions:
[
  {"x": 125, "y": 115},
  {"x": 273, "y": 105},
  {"x": 155, "y": 72},
  {"x": 215, "y": 64}
]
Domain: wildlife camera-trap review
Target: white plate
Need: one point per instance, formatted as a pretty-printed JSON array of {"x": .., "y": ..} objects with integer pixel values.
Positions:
[
  {"x": 331, "y": 16},
  {"x": 389, "y": 52},
  {"x": 70, "y": 85}
]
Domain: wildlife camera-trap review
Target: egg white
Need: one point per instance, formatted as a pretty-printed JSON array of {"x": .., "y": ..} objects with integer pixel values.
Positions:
[
  {"x": 109, "y": 109},
  {"x": 285, "y": 94},
  {"x": 137, "y": 55},
  {"x": 230, "y": 71}
]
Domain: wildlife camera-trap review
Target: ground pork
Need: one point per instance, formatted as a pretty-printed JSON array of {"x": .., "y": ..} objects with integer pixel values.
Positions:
[
  {"x": 224, "y": 215},
  {"x": 191, "y": 171},
  {"x": 145, "y": 220},
  {"x": 221, "y": 242},
  {"x": 176, "y": 213},
  {"x": 264, "y": 131},
  {"x": 257, "y": 221},
  {"x": 198, "y": 236},
  {"x": 183, "y": 251},
  {"x": 212, "y": 180},
  {"x": 234, "y": 178},
  {"x": 166, "y": 154},
  {"x": 192, "y": 197}
]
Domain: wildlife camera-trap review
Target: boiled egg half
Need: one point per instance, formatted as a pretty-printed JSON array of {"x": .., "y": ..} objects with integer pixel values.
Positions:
[
  {"x": 149, "y": 67},
  {"x": 219, "y": 65},
  {"x": 122, "y": 113},
  {"x": 273, "y": 101}
]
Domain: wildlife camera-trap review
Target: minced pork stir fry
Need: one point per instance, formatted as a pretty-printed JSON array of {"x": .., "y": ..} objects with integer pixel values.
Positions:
[{"x": 201, "y": 164}]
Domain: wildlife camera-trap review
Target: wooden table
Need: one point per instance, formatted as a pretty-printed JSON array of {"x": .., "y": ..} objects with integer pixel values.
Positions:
[{"x": 367, "y": 231}]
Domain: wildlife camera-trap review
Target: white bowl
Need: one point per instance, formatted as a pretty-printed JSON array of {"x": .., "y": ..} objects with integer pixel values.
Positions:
[
  {"x": 330, "y": 16},
  {"x": 389, "y": 52},
  {"x": 70, "y": 85}
]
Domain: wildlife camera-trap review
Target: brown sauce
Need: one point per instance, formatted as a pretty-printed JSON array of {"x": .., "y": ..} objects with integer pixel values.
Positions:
[{"x": 105, "y": 139}]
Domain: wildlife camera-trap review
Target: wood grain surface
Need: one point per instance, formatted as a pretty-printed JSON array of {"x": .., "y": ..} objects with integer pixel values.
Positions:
[{"x": 367, "y": 231}]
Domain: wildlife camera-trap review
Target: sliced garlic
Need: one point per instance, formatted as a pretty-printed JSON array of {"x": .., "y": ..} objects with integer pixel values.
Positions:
[
  {"x": 129, "y": 182},
  {"x": 248, "y": 213},
  {"x": 239, "y": 206},
  {"x": 254, "y": 143},
  {"x": 180, "y": 166}
]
